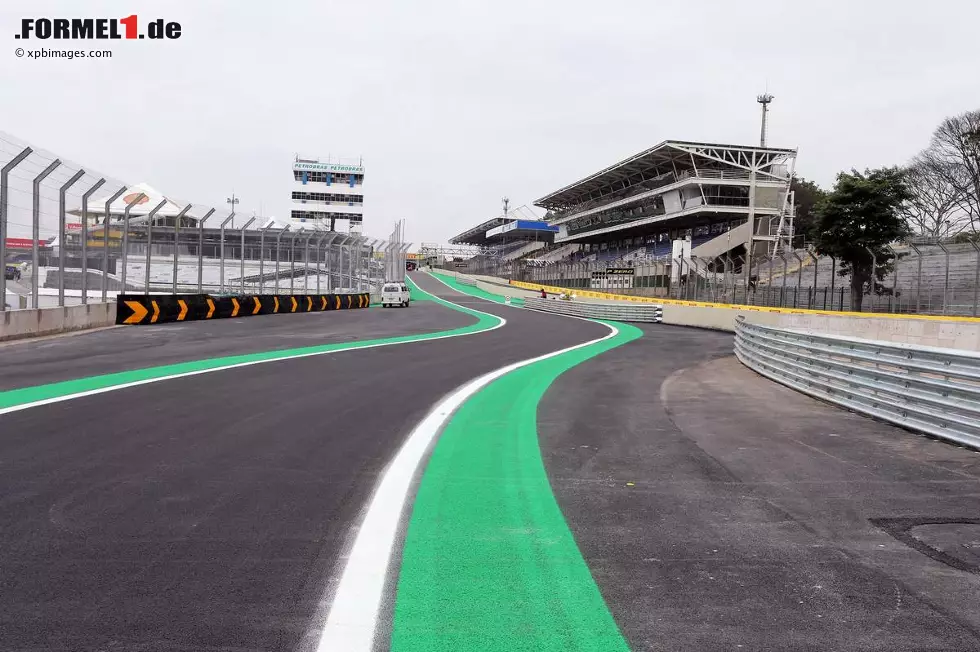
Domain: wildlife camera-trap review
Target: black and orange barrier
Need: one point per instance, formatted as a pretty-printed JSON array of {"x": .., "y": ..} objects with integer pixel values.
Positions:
[{"x": 139, "y": 309}]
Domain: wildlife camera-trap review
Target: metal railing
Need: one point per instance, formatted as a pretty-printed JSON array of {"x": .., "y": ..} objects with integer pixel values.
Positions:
[
  {"x": 930, "y": 390},
  {"x": 631, "y": 312}
]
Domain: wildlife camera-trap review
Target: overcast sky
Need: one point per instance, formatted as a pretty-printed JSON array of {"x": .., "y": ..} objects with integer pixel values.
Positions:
[{"x": 456, "y": 104}]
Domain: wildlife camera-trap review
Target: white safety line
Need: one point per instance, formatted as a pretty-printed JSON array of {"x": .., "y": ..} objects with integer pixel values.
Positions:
[
  {"x": 147, "y": 381},
  {"x": 499, "y": 303},
  {"x": 352, "y": 618}
]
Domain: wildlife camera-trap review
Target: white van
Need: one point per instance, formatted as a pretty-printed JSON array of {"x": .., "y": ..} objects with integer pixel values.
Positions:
[{"x": 395, "y": 294}]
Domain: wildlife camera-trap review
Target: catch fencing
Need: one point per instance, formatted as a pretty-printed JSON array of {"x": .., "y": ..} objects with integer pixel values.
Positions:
[
  {"x": 927, "y": 276},
  {"x": 92, "y": 238},
  {"x": 930, "y": 390}
]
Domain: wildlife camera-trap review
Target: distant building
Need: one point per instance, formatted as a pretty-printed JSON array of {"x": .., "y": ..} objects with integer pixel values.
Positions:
[{"x": 328, "y": 194}]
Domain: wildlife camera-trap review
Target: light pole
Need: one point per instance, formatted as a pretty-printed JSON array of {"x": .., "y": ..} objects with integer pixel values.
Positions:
[
  {"x": 764, "y": 99},
  {"x": 233, "y": 201}
]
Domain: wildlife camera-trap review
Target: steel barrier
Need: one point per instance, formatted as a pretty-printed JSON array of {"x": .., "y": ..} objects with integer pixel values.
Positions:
[
  {"x": 639, "y": 312},
  {"x": 930, "y": 390}
]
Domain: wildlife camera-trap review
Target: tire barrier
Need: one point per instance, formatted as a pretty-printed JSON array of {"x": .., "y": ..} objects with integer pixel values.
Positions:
[
  {"x": 142, "y": 309},
  {"x": 652, "y": 314}
]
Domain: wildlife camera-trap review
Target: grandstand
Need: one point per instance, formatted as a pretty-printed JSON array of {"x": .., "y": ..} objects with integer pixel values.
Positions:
[
  {"x": 704, "y": 194},
  {"x": 504, "y": 239}
]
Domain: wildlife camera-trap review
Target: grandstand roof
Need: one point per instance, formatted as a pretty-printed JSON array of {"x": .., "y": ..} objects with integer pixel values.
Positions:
[
  {"x": 649, "y": 163},
  {"x": 152, "y": 197},
  {"x": 478, "y": 234},
  {"x": 522, "y": 229}
]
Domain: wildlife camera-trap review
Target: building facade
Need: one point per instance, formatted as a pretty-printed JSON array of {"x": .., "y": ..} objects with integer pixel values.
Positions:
[{"x": 329, "y": 195}]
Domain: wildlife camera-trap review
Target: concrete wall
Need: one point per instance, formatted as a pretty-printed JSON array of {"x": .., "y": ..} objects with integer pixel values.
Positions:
[
  {"x": 16, "y": 324},
  {"x": 925, "y": 330}
]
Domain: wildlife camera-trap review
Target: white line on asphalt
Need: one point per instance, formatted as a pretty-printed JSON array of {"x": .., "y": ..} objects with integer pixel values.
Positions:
[
  {"x": 352, "y": 618},
  {"x": 136, "y": 383},
  {"x": 499, "y": 303}
]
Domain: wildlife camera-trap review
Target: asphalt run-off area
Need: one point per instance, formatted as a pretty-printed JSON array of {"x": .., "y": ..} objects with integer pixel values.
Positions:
[{"x": 462, "y": 474}]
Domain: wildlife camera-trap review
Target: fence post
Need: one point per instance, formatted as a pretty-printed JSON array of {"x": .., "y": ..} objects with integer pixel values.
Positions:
[
  {"x": 918, "y": 279},
  {"x": 946, "y": 277},
  {"x": 782, "y": 291},
  {"x": 318, "y": 241},
  {"x": 105, "y": 242},
  {"x": 88, "y": 193},
  {"x": 125, "y": 238},
  {"x": 180, "y": 216},
  {"x": 4, "y": 205},
  {"x": 36, "y": 231},
  {"x": 292, "y": 259},
  {"x": 976, "y": 277},
  {"x": 812, "y": 253},
  {"x": 799, "y": 277},
  {"x": 278, "y": 240},
  {"x": 306, "y": 264},
  {"x": 874, "y": 268},
  {"x": 894, "y": 281},
  {"x": 262, "y": 257},
  {"x": 61, "y": 237},
  {"x": 200, "y": 250},
  {"x": 149, "y": 242},
  {"x": 242, "y": 255},
  {"x": 221, "y": 272}
]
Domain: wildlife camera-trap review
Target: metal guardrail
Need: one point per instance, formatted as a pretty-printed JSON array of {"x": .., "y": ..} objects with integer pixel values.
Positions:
[
  {"x": 635, "y": 312},
  {"x": 930, "y": 390}
]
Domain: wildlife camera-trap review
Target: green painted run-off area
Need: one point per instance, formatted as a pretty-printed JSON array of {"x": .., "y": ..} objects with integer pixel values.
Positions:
[{"x": 489, "y": 563}]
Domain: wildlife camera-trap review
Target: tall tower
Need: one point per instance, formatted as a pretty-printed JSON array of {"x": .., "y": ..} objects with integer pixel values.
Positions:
[
  {"x": 506, "y": 202},
  {"x": 764, "y": 100},
  {"x": 329, "y": 193}
]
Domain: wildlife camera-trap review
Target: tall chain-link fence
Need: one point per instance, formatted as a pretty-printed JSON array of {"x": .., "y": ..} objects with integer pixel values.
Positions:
[
  {"x": 86, "y": 238},
  {"x": 926, "y": 276}
]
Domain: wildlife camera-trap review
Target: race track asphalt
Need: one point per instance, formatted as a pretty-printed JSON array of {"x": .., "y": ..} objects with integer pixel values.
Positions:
[
  {"x": 209, "y": 512},
  {"x": 719, "y": 511},
  {"x": 27, "y": 362}
]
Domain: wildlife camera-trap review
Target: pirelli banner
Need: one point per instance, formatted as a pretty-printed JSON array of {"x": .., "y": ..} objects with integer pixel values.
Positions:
[
  {"x": 613, "y": 278},
  {"x": 141, "y": 309}
]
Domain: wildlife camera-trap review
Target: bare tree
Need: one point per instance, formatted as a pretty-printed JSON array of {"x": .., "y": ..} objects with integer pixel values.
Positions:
[
  {"x": 954, "y": 153},
  {"x": 936, "y": 207}
]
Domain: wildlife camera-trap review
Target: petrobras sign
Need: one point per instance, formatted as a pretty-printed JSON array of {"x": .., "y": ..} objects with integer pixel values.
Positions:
[{"x": 328, "y": 167}]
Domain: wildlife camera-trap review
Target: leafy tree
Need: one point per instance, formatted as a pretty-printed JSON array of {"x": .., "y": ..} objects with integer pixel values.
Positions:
[
  {"x": 855, "y": 222},
  {"x": 808, "y": 195}
]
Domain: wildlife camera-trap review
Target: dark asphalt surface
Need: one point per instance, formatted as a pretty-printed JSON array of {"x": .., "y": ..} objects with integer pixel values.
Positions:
[
  {"x": 208, "y": 512},
  {"x": 24, "y": 363},
  {"x": 752, "y": 520}
]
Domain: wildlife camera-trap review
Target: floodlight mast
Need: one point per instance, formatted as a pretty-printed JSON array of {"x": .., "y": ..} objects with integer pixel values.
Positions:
[{"x": 765, "y": 99}]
